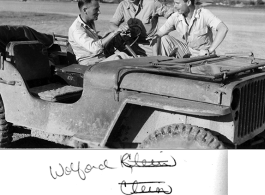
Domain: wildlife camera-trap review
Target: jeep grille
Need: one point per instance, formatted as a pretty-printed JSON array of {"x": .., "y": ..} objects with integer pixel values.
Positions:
[{"x": 252, "y": 107}]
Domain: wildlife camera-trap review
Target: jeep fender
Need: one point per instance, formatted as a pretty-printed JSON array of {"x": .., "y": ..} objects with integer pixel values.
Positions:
[{"x": 152, "y": 112}]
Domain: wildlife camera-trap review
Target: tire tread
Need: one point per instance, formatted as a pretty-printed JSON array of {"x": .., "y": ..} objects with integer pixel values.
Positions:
[
  {"x": 5, "y": 130},
  {"x": 186, "y": 132}
]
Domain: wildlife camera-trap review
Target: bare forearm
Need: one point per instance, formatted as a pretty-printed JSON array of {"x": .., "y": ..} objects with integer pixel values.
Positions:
[
  {"x": 113, "y": 26},
  {"x": 220, "y": 35},
  {"x": 108, "y": 38},
  {"x": 160, "y": 34}
]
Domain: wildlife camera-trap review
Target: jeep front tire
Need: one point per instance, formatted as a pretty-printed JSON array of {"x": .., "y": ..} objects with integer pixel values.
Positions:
[{"x": 181, "y": 136}]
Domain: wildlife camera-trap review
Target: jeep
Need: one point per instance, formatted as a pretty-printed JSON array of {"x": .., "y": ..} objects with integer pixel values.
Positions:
[{"x": 207, "y": 102}]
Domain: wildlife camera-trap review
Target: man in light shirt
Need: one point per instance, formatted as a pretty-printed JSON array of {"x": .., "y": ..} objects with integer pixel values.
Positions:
[
  {"x": 144, "y": 14},
  {"x": 195, "y": 26},
  {"x": 88, "y": 47}
]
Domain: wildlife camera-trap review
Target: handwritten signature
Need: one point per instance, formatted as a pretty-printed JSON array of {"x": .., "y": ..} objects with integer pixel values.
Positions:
[
  {"x": 140, "y": 187},
  {"x": 128, "y": 161},
  {"x": 67, "y": 170}
]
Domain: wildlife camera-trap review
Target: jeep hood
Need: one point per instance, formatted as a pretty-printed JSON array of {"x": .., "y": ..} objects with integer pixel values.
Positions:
[{"x": 140, "y": 75}]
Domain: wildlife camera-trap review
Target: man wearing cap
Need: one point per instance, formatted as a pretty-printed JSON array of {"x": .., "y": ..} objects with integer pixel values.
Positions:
[
  {"x": 88, "y": 47},
  {"x": 195, "y": 26},
  {"x": 141, "y": 13}
]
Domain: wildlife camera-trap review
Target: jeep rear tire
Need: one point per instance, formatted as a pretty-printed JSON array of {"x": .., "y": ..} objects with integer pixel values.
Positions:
[
  {"x": 181, "y": 136},
  {"x": 5, "y": 132}
]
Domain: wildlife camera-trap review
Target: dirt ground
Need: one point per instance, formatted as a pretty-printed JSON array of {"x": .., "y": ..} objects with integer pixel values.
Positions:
[{"x": 246, "y": 30}]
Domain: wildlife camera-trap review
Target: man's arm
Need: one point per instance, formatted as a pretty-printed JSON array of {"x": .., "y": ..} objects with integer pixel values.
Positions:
[
  {"x": 81, "y": 38},
  {"x": 214, "y": 23},
  {"x": 113, "y": 26},
  {"x": 92, "y": 45},
  {"x": 155, "y": 37},
  {"x": 155, "y": 42},
  {"x": 164, "y": 30},
  {"x": 117, "y": 18},
  {"x": 220, "y": 36},
  {"x": 110, "y": 36}
]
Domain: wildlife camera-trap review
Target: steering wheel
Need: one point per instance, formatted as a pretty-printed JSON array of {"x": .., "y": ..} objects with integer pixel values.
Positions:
[{"x": 134, "y": 32}]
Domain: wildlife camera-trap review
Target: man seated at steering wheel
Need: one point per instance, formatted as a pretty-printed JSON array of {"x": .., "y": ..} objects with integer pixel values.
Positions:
[
  {"x": 142, "y": 18},
  {"x": 88, "y": 47}
]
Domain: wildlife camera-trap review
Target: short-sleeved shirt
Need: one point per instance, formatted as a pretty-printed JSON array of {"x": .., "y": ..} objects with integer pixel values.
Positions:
[
  {"x": 85, "y": 42},
  {"x": 198, "y": 34},
  {"x": 146, "y": 14}
]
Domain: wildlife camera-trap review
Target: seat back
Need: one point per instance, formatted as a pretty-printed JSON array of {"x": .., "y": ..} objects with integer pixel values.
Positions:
[
  {"x": 70, "y": 55},
  {"x": 30, "y": 58}
]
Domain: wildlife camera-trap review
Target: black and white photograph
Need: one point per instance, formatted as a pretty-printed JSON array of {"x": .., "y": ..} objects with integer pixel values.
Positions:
[{"x": 90, "y": 89}]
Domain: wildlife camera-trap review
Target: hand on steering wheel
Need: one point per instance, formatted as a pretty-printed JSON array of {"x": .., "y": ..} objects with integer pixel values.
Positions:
[{"x": 123, "y": 28}]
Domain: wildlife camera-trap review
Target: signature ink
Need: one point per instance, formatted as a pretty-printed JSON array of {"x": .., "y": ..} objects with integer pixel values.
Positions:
[
  {"x": 127, "y": 161},
  {"x": 81, "y": 172},
  {"x": 140, "y": 187}
]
